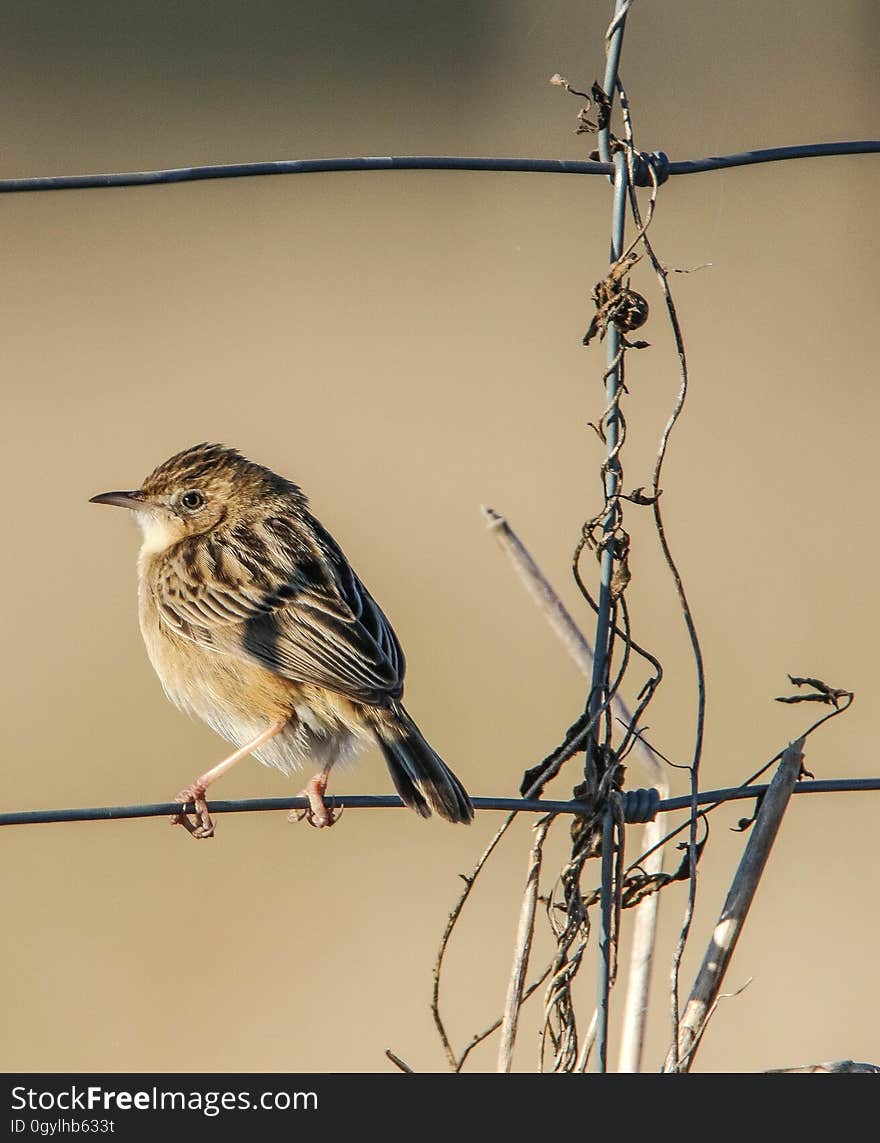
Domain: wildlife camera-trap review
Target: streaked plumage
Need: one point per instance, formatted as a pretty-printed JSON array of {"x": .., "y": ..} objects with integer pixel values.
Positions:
[{"x": 251, "y": 615}]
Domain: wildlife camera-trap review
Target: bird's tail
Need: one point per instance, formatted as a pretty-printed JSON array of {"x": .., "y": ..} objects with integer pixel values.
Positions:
[{"x": 420, "y": 775}]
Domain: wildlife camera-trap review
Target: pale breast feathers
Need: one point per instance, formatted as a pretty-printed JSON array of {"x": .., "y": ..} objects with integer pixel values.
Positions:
[{"x": 265, "y": 592}]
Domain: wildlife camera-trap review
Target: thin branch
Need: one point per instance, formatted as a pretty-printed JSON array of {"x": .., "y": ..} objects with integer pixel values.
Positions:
[
  {"x": 736, "y": 909},
  {"x": 469, "y": 880},
  {"x": 715, "y": 798},
  {"x": 479, "y": 1037}
]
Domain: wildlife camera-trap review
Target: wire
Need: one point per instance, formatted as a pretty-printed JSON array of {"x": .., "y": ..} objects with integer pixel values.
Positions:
[
  {"x": 373, "y": 802},
  {"x": 419, "y": 163}
]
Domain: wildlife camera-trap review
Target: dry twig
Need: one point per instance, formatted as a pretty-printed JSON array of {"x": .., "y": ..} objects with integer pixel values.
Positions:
[{"x": 469, "y": 880}]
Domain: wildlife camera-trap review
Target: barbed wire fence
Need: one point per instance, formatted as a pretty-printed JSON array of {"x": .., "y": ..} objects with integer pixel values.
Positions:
[{"x": 606, "y": 733}]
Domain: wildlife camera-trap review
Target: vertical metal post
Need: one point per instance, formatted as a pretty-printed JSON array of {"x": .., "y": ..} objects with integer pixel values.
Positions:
[
  {"x": 605, "y": 908},
  {"x": 601, "y": 662},
  {"x": 612, "y": 466},
  {"x": 612, "y": 386}
]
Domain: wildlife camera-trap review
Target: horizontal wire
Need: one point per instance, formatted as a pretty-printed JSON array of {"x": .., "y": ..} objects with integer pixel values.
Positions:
[
  {"x": 774, "y": 155},
  {"x": 372, "y": 802},
  {"x": 735, "y": 793},
  {"x": 420, "y": 163}
]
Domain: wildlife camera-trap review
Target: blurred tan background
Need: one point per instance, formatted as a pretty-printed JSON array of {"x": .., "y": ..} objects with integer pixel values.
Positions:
[{"x": 407, "y": 347}]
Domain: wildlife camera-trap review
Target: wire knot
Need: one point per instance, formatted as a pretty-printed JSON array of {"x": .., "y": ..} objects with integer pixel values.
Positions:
[
  {"x": 640, "y": 805},
  {"x": 644, "y": 162}
]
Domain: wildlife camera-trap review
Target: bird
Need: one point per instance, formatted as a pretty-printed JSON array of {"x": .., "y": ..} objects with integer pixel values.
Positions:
[{"x": 255, "y": 622}]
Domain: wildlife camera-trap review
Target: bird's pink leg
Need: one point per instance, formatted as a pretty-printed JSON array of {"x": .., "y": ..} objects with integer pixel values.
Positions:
[
  {"x": 319, "y": 813},
  {"x": 200, "y": 825}
]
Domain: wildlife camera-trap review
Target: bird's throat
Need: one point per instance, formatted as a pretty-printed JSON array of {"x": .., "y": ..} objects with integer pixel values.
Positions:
[{"x": 159, "y": 530}]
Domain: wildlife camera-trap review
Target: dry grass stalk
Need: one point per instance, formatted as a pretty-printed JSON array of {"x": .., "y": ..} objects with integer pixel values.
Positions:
[{"x": 522, "y": 949}]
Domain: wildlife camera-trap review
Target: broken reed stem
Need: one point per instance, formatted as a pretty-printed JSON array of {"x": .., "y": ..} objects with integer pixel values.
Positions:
[
  {"x": 541, "y": 591},
  {"x": 736, "y": 909},
  {"x": 578, "y": 646},
  {"x": 635, "y": 1009},
  {"x": 398, "y": 1062},
  {"x": 560, "y": 620},
  {"x": 522, "y": 949}
]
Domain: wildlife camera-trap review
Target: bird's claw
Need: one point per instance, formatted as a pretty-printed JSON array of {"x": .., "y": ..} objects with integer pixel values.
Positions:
[
  {"x": 319, "y": 816},
  {"x": 199, "y": 825}
]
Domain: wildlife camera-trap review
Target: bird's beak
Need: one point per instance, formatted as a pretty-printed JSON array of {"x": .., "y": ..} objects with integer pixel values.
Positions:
[{"x": 134, "y": 500}]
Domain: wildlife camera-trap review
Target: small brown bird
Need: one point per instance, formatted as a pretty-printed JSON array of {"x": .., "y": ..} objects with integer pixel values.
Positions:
[{"x": 255, "y": 621}]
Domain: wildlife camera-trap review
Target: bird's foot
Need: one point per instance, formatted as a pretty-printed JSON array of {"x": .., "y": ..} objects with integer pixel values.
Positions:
[
  {"x": 199, "y": 824},
  {"x": 319, "y": 814},
  {"x": 321, "y": 819}
]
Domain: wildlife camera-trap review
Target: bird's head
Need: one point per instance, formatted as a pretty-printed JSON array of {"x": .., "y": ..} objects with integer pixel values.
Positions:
[{"x": 197, "y": 491}]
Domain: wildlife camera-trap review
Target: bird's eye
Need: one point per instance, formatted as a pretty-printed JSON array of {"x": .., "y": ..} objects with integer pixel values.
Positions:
[{"x": 192, "y": 501}]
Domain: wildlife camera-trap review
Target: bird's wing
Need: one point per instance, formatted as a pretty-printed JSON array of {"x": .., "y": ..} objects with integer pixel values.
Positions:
[{"x": 294, "y": 607}]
